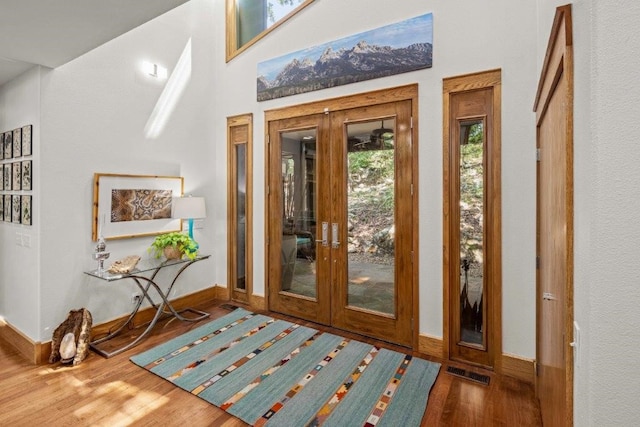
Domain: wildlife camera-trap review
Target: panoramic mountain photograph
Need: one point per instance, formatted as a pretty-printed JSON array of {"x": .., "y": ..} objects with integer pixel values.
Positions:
[{"x": 393, "y": 49}]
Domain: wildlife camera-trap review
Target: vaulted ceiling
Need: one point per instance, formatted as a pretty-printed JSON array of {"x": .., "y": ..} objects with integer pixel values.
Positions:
[{"x": 53, "y": 32}]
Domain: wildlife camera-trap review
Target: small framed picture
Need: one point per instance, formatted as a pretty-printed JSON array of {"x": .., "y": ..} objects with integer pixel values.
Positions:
[
  {"x": 8, "y": 147},
  {"x": 26, "y": 175},
  {"x": 26, "y": 140},
  {"x": 17, "y": 179},
  {"x": 17, "y": 143},
  {"x": 1, "y": 208},
  {"x": 1, "y": 176},
  {"x": 7, "y": 177},
  {"x": 15, "y": 209},
  {"x": 26, "y": 210},
  {"x": 7, "y": 207}
]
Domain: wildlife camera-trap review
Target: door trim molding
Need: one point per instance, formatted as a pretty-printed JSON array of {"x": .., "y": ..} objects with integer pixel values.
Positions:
[
  {"x": 240, "y": 127},
  {"x": 381, "y": 96},
  {"x": 460, "y": 84}
]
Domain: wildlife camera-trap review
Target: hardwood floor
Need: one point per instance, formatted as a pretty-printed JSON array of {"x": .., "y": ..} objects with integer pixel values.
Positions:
[{"x": 115, "y": 392}]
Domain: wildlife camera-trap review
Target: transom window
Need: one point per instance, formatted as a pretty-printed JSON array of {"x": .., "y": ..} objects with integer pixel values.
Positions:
[{"x": 250, "y": 20}]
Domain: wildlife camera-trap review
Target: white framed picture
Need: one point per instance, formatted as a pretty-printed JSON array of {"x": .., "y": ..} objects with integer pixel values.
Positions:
[
  {"x": 26, "y": 175},
  {"x": 17, "y": 143},
  {"x": 15, "y": 208},
  {"x": 25, "y": 208},
  {"x": 26, "y": 140},
  {"x": 134, "y": 205}
]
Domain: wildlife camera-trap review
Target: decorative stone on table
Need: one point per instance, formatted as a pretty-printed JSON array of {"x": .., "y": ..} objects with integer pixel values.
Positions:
[{"x": 124, "y": 265}]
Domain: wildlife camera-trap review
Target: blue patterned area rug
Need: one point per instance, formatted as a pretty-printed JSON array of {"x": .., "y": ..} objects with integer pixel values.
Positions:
[{"x": 268, "y": 371}]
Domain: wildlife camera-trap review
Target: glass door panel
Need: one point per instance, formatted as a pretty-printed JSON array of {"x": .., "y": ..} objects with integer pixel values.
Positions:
[
  {"x": 241, "y": 215},
  {"x": 298, "y": 163},
  {"x": 340, "y": 218},
  {"x": 372, "y": 205},
  {"x": 371, "y": 215},
  {"x": 298, "y": 258},
  {"x": 472, "y": 232}
]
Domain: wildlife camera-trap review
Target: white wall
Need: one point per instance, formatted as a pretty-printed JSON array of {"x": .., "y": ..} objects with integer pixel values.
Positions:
[
  {"x": 469, "y": 39},
  {"x": 19, "y": 273},
  {"x": 611, "y": 247},
  {"x": 95, "y": 109}
]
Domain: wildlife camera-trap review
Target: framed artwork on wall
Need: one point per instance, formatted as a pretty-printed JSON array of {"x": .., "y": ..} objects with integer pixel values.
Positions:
[
  {"x": 127, "y": 206},
  {"x": 26, "y": 175},
  {"x": 16, "y": 175},
  {"x": 7, "y": 207},
  {"x": 17, "y": 143},
  {"x": 15, "y": 209},
  {"x": 7, "y": 177},
  {"x": 8, "y": 147},
  {"x": 26, "y": 140},
  {"x": 26, "y": 210},
  {"x": 17, "y": 179},
  {"x": 392, "y": 49}
]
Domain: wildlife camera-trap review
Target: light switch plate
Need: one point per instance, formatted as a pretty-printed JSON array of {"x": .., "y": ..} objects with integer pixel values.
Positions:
[{"x": 576, "y": 343}]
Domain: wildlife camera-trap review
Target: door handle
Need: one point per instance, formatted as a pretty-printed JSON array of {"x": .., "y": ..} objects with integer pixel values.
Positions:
[
  {"x": 335, "y": 240},
  {"x": 325, "y": 234}
]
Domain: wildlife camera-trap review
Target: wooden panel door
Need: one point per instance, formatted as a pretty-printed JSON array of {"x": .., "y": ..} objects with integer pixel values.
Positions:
[
  {"x": 554, "y": 106},
  {"x": 298, "y": 203},
  {"x": 373, "y": 296}
]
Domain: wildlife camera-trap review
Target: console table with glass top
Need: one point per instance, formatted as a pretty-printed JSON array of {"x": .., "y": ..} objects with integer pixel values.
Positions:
[{"x": 144, "y": 275}]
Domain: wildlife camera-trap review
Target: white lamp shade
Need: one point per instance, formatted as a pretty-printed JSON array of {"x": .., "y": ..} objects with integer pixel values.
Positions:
[{"x": 189, "y": 207}]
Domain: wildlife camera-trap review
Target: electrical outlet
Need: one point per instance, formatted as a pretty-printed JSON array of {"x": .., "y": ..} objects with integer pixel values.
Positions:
[{"x": 135, "y": 298}]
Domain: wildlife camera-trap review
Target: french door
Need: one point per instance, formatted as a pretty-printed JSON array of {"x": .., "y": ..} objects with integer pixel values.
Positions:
[{"x": 340, "y": 222}]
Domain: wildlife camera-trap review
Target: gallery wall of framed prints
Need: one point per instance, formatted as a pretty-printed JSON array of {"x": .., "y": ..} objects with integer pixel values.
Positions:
[{"x": 16, "y": 175}]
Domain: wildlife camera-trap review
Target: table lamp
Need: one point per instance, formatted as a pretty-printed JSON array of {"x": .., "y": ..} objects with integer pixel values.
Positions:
[{"x": 189, "y": 208}]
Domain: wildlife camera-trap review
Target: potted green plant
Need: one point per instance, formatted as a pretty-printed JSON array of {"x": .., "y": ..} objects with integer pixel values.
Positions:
[{"x": 174, "y": 245}]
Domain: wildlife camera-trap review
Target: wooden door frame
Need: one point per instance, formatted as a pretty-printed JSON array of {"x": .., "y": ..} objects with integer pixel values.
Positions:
[
  {"x": 239, "y": 131},
  {"x": 400, "y": 93},
  {"x": 452, "y": 85},
  {"x": 558, "y": 64}
]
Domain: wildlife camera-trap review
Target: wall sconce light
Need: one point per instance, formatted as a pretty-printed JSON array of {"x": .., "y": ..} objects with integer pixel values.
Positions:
[{"x": 154, "y": 70}]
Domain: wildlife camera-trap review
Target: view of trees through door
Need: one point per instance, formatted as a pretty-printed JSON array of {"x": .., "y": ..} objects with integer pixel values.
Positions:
[
  {"x": 341, "y": 216},
  {"x": 471, "y": 231},
  {"x": 370, "y": 216}
]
